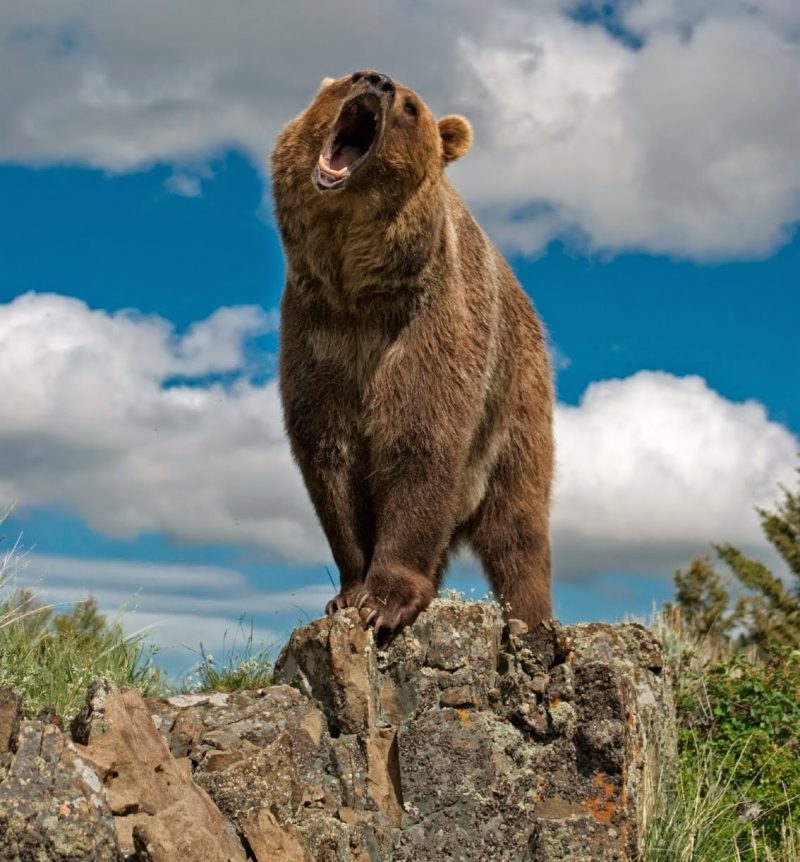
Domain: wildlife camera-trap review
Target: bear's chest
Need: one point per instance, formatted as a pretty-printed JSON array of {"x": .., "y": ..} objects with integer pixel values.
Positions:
[{"x": 356, "y": 349}]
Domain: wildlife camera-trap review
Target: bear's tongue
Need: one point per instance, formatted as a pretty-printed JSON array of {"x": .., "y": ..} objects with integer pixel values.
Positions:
[{"x": 345, "y": 157}]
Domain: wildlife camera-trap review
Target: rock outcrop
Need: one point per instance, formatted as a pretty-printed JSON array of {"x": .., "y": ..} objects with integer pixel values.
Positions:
[
  {"x": 498, "y": 743},
  {"x": 463, "y": 739},
  {"x": 158, "y": 810}
]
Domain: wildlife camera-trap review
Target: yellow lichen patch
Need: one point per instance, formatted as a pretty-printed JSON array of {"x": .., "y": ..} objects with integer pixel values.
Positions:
[{"x": 464, "y": 717}]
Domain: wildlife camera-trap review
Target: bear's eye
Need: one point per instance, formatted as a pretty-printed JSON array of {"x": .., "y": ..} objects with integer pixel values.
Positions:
[{"x": 410, "y": 108}]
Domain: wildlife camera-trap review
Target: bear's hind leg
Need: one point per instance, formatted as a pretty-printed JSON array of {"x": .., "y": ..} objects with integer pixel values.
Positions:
[{"x": 510, "y": 536}]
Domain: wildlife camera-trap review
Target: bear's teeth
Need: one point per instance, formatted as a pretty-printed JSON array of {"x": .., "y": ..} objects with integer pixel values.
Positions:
[{"x": 329, "y": 170}]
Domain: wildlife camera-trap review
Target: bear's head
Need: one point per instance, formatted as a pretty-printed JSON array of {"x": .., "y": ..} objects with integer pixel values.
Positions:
[{"x": 365, "y": 131}]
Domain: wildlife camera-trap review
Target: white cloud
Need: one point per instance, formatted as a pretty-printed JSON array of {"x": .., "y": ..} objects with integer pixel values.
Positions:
[
  {"x": 646, "y": 16},
  {"x": 128, "y": 576},
  {"x": 178, "y": 636},
  {"x": 184, "y": 185},
  {"x": 685, "y": 144},
  {"x": 560, "y": 361},
  {"x": 651, "y": 467},
  {"x": 85, "y": 419},
  {"x": 165, "y": 588}
]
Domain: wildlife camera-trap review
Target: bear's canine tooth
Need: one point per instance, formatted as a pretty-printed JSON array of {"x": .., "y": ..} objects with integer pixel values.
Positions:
[{"x": 329, "y": 170}]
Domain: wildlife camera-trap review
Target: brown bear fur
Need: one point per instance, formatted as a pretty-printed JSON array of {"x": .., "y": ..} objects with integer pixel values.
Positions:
[{"x": 414, "y": 374}]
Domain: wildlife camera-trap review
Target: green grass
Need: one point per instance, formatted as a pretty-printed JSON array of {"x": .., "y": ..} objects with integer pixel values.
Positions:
[
  {"x": 737, "y": 794},
  {"x": 244, "y": 665},
  {"x": 709, "y": 818},
  {"x": 50, "y": 655}
]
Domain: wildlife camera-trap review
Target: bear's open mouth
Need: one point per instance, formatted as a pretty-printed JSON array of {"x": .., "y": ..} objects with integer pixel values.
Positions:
[{"x": 352, "y": 139}]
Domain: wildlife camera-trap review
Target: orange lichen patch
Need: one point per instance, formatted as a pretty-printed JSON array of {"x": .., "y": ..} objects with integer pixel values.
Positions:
[
  {"x": 555, "y": 702},
  {"x": 463, "y": 716},
  {"x": 602, "y": 806},
  {"x": 600, "y": 809}
]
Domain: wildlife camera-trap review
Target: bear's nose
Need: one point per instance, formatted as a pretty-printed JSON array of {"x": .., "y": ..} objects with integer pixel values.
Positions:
[{"x": 375, "y": 81}]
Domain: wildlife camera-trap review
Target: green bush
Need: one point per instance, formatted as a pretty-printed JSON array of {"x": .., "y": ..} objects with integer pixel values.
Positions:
[
  {"x": 733, "y": 643},
  {"x": 748, "y": 711},
  {"x": 766, "y": 610}
]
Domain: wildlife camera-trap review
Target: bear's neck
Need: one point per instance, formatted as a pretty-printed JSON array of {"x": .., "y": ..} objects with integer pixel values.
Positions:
[{"x": 372, "y": 256}]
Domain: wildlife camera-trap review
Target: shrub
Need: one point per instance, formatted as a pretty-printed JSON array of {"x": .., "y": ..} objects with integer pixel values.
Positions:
[{"x": 749, "y": 710}]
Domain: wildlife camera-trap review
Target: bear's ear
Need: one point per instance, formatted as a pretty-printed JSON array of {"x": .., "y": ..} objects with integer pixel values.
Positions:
[
  {"x": 456, "y": 135},
  {"x": 326, "y": 82}
]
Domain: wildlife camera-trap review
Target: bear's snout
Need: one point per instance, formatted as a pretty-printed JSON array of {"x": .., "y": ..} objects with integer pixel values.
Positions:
[{"x": 369, "y": 79}]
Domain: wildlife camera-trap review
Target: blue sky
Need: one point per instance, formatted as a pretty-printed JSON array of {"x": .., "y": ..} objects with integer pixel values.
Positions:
[{"x": 140, "y": 271}]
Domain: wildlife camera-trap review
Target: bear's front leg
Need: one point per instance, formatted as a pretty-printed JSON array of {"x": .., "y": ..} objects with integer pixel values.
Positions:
[
  {"x": 331, "y": 467},
  {"x": 320, "y": 404},
  {"x": 415, "y": 487},
  {"x": 421, "y": 411}
]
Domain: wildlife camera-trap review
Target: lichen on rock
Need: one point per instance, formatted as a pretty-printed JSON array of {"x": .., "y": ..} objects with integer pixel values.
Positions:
[
  {"x": 465, "y": 738},
  {"x": 508, "y": 741}
]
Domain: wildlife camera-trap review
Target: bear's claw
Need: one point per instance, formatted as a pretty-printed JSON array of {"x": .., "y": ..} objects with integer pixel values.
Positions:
[
  {"x": 393, "y": 600},
  {"x": 338, "y": 602}
]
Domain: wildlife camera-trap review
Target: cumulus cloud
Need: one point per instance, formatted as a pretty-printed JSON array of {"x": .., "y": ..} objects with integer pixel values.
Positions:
[
  {"x": 683, "y": 145},
  {"x": 651, "y": 467},
  {"x": 672, "y": 130},
  {"x": 646, "y": 16},
  {"x": 114, "y": 415}
]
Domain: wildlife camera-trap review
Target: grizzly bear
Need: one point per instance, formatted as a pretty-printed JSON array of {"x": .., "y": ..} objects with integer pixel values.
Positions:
[{"x": 414, "y": 374}]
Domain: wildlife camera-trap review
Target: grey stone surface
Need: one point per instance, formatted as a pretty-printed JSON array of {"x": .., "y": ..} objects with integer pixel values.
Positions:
[
  {"x": 272, "y": 751},
  {"x": 53, "y": 808}
]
